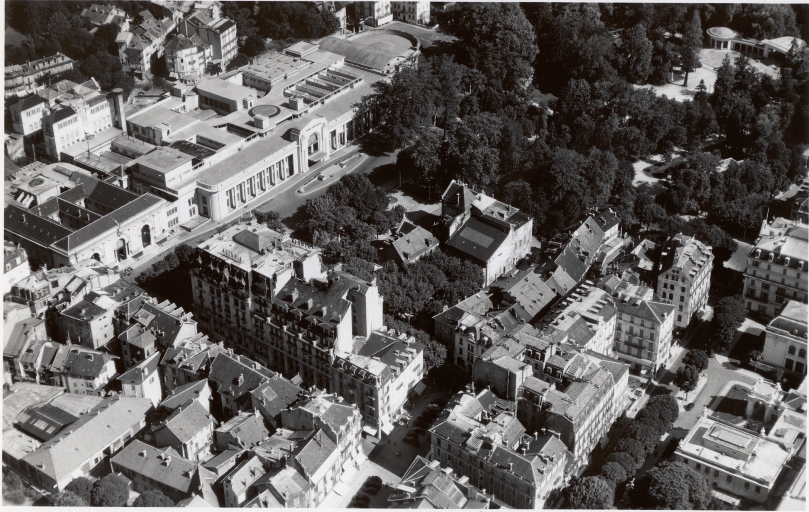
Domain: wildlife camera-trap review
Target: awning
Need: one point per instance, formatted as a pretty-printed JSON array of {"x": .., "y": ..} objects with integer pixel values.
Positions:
[
  {"x": 420, "y": 388},
  {"x": 341, "y": 489},
  {"x": 361, "y": 458},
  {"x": 387, "y": 428},
  {"x": 369, "y": 430},
  {"x": 406, "y": 488}
]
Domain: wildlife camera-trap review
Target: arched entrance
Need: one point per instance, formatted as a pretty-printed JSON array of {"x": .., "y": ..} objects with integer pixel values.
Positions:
[
  {"x": 146, "y": 236},
  {"x": 314, "y": 144},
  {"x": 97, "y": 257},
  {"x": 121, "y": 250}
]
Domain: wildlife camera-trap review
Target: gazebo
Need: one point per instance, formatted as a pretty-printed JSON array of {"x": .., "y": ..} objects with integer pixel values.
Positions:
[{"x": 721, "y": 37}]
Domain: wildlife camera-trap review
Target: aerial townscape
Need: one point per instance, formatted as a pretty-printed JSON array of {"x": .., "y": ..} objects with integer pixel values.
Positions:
[{"x": 405, "y": 254}]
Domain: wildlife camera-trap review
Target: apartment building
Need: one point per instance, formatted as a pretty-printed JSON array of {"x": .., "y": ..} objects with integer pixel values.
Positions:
[
  {"x": 776, "y": 267},
  {"x": 732, "y": 460},
  {"x": 411, "y": 12},
  {"x": 243, "y": 431},
  {"x": 373, "y": 13},
  {"x": 267, "y": 296},
  {"x": 164, "y": 469},
  {"x": 26, "y": 114},
  {"x": 142, "y": 45},
  {"x": 74, "y": 118},
  {"x": 644, "y": 324},
  {"x": 188, "y": 430},
  {"x": 15, "y": 265},
  {"x": 99, "y": 15},
  {"x": 233, "y": 378},
  {"x": 586, "y": 318},
  {"x": 22, "y": 79},
  {"x": 143, "y": 380},
  {"x": 478, "y": 436},
  {"x": 378, "y": 375},
  {"x": 87, "y": 443},
  {"x": 785, "y": 338},
  {"x": 493, "y": 235},
  {"x": 685, "y": 276},
  {"x": 187, "y": 58},
  {"x": 78, "y": 369},
  {"x": 189, "y": 361},
  {"x": 213, "y": 31},
  {"x": 578, "y": 397}
]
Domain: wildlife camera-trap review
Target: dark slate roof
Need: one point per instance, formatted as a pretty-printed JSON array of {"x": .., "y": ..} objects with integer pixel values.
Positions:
[
  {"x": 182, "y": 394},
  {"x": 140, "y": 458},
  {"x": 63, "y": 113},
  {"x": 104, "y": 193},
  {"x": 313, "y": 453},
  {"x": 237, "y": 375},
  {"x": 276, "y": 394},
  {"x": 19, "y": 336},
  {"x": 44, "y": 421},
  {"x": 246, "y": 428},
  {"x": 39, "y": 230},
  {"x": 222, "y": 459},
  {"x": 30, "y": 102},
  {"x": 141, "y": 371},
  {"x": 186, "y": 421},
  {"x": 310, "y": 299},
  {"x": 466, "y": 196},
  {"x": 86, "y": 363},
  {"x": 607, "y": 219},
  {"x": 477, "y": 239}
]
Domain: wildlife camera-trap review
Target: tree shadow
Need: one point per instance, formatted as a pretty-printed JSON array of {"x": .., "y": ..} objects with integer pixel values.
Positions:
[
  {"x": 298, "y": 223},
  {"x": 382, "y": 174}
]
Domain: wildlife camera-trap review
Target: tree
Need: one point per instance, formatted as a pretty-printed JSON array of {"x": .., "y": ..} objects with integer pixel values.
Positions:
[
  {"x": 729, "y": 313},
  {"x": 81, "y": 487},
  {"x": 691, "y": 45},
  {"x": 671, "y": 485},
  {"x": 668, "y": 403},
  {"x": 647, "y": 210},
  {"x": 591, "y": 492},
  {"x": 613, "y": 472},
  {"x": 633, "y": 448},
  {"x": 236, "y": 62},
  {"x": 253, "y": 46},
  {"x": 697, "y": 358},
  {"x": 635, "y": 54},
  {"x": 626, "y": 461},
  {"x": 67, "y": 499},
  {"x": 13, "y": 488},
  {"x": 654, "y": 413},
  {"x": 647, "y": 434},
  {"x": 271, "y": 219},
  {"x": 111, "y": 491},
  {"x": 153, "y": 498},
  {"x": 497, "y": 40},
  {"x": 686, "y": 379}
]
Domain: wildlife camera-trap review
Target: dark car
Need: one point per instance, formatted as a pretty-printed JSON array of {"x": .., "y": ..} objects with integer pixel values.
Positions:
[{"x": 688, "y": 407}]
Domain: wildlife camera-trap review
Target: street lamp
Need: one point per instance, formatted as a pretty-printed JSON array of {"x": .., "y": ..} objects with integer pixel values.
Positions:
[{"x": 87, "y": 137}]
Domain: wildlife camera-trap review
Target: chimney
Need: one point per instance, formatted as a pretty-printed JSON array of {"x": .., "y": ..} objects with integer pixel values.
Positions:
[
  {"x": 118, "y": 107},
  {"x": 536, "y": 434}
]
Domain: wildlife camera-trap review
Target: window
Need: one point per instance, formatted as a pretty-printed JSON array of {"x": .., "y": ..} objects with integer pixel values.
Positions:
[
  {"x": 747, "y": 486},
  {"x": 758, "y": 488},
  {"x": 729, "y": 479},
  {"x": 791, "y": 350},
  {"x": 788, "y": 364},
  {"x": 802, "y": 353}
]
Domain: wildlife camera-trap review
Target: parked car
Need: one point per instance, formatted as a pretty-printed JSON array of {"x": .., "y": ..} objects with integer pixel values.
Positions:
[{"x": 688, "y": 407}]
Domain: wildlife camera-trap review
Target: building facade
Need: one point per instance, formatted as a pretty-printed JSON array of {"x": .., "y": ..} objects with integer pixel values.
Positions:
[
  {"x": 22, "y": 78},
  {"x": 776, "y": 267},
  {"x": 685, "y": 276},
  {"x": 411, "y": 12},
  {"x": 785, "y": 338},
  {"x": 187, "y": 58}
]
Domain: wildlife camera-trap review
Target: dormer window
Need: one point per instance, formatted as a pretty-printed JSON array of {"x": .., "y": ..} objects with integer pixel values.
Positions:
[
  {"x": 786, "y": 261},
  {"x": 758, "y": 253},
  {"x": 771, "y": 257}
]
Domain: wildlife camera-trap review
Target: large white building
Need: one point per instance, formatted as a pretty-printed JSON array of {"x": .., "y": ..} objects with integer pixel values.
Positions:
[
  {"x": 685, "y": 276},
  {"x": 785, "y": 338},
  {"x": 732, "y": 459},
  {"x": 776, "y": 267}
]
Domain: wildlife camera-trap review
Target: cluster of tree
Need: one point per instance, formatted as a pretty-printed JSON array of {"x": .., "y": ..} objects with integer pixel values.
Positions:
[
  {"x": 179, "y": 257},
  {"x": 728, "y": 315},
  {"x": 434, "y": 352},
  {"x": 694, "y": 363},
  {"x": 15, "y": 492},
  {"x": 348, "y": 217},
  {"x": 672, "y": 486},
  {"x": 110, "y": 491},
  {"x": 638, "y": 441},
  {"x": 463, "y": 119},
  {"x": 278, "y": 21}
]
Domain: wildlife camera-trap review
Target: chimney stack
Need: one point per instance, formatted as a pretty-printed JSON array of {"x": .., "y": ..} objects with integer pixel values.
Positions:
[{"x": 118, "y": 108}]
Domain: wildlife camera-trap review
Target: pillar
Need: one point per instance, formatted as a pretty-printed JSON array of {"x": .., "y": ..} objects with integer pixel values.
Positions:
[{"x": 749, "y": 409}]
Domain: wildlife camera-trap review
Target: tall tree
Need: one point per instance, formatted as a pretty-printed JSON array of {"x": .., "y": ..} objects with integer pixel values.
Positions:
[
  {"x": 691, "y": 45},
  {"x": 111, "y": 491},
  {"x": 497, "y": 40},
  {"x": 686, "y": 378},
  {"x": 674, "y": 486},
  {"x": 635, "y": 54}
]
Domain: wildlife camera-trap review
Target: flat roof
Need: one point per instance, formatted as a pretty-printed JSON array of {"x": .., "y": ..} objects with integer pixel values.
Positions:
[
  {"x": 260, "y": 150},
  {"x": 225, "y": 89},
  {"x": 164, "y": 159}
]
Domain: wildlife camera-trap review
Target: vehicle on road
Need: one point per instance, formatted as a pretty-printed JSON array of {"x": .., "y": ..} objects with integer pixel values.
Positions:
[{"x": 688, "y": 407}]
